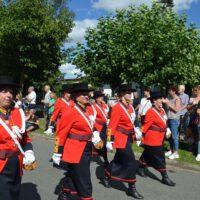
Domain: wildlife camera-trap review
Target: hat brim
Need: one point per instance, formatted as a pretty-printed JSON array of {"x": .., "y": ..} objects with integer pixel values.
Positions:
[
  {"x": 155, "y": 97},
  {"x": 102, "y": 95},
  {"x": 66, "y": 90},
  {"x": 82, "y": 90},
  {"x": 130, "y": 90},
  {"x": 10, "y": 85}
]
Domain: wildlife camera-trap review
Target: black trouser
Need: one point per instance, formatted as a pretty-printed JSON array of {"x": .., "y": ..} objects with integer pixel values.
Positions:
[{"x": 10, "y": 180}]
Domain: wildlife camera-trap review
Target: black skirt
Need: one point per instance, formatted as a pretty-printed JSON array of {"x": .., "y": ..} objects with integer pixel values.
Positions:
[
  {"x": 78, "y": 178},
  {"x": 10, "y": 180},
  {"x": 124, "y": 166},
  {"x": 153, "y": 157}
]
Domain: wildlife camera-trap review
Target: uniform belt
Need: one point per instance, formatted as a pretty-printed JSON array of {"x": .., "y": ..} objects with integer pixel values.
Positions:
[
  {"x": 80, "y": 137},
  {"x": 100, "y": 122},
  {"x": 155, "y": 128},
  {"x": 124, "y": 131},
  {"x": 7, "y": 154}
]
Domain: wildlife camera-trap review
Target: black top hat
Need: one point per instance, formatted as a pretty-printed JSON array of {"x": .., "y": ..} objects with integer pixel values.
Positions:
[
  {"x": 98, "y": 94},
  {"x": 66, "y": 88},
  {"x": 125, "y": 88},
  {"x": 80, "y": 87},
  {"x": 7, "y": 81},
  {"x": 156, "y": 95}
]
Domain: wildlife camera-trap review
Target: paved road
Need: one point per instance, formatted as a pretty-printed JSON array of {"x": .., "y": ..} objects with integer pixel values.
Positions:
[{"x": 41, "y": 183}]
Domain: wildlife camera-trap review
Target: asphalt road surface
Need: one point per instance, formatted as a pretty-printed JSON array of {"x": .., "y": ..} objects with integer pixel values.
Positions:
[{"x": 43, "y": 183}]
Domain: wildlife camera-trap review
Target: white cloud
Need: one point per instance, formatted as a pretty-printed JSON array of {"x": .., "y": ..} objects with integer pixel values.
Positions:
[
  {"x": 78, "y": 32},
  {"x": 111, "y": 5},
  {"x": 70, "y": 71}
]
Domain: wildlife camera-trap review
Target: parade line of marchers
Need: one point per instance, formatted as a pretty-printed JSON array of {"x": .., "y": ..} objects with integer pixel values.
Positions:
[{"x": 82, "y": 130}]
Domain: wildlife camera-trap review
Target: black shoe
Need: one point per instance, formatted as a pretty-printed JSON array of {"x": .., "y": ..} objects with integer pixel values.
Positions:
[
  {"x": 142, "y": 172},
  {"x": 106, "y": 182},
  {"x": 168, "y": 182},
  {"x": 63, "y": 196},
  {"x": 134, "y": 193}
]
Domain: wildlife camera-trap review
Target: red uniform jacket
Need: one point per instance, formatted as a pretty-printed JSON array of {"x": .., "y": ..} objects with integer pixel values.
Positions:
[
  {"x": 16, "y": 118},
  {"x": 59, "y": 107},
  {"x": 72, "y": 122},
  {"x": 157, "y": 120},
  {"x": 101, "y": 116},
  {"x": 121, "y": 121}
]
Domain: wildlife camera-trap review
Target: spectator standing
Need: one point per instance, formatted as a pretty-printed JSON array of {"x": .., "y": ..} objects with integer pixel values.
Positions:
[
  {"x": 31, "y": 98},
  {"x": 198, "y": 131},
  {"x": 45, "y": 101},
  {"x": 174, "y": 106},
  {"x": 136, "y": 105},
  {"x": 52, "y": 101},
  {"x": 145, "y": 104},
  {"x": 184, "y": 117},
  {"x": 18, "y": 101},
  {"x": 194, "y": 108}
]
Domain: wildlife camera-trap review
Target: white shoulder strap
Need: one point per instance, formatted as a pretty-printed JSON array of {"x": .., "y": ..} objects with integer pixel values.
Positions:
[
  {"x": 65, "y": 101},
  {"x": 23, "y": 129},
  {"x": 83, "y": 115},
  {"x": 12, "y": 135},
  {"x": 101, "y": 111},
  {"x": 160, "y": 116},
  {"x": 126, "y": 112}
]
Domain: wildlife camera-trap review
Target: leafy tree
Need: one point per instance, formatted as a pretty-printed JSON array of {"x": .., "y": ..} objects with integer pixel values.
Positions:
[
  {"x": 145, "y": 45},
  {"x": 32, "y": 33}
]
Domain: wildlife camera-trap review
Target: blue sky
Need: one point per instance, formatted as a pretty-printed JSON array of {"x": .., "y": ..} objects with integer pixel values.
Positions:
[{"x": 88, "y": 11}]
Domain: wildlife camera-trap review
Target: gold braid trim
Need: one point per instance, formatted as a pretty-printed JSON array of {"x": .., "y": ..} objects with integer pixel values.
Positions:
[
  {"x": 109, "y": 133},
  {"x": 56, "y": 145}
]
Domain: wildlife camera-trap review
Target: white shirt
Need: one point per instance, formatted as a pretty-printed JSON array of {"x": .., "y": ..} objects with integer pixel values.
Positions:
[
  {"x": 32, "y": 97},
  {"x": 47, "y": 97},
  {"x": 145, "y": 104}
]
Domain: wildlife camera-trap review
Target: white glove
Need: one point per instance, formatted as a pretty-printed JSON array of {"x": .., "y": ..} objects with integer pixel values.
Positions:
[
  {"x": 138, "y": 133},
  {"x": 109, "y": 146},
  {"x": 18, "y": 133},
  {"x": 49, "y": 131},
  {"x": 29, "y": 157},
  {"x": 56, "y": 158},
  {"x": 168, "y": 133},
  {"x": 95, "y": 137}
]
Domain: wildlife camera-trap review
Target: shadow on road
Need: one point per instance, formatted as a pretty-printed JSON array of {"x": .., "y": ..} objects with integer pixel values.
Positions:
[
  {"x": 114, "y": 184},
  {"x": 29, "y": 191},
  {"x": 59, "y": 186}
]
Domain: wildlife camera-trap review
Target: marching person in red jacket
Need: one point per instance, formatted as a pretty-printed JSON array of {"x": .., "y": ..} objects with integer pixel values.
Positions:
[
  {"x": 60, "y": 106},
  {"x": 15, "y": 146},
  {"x": 123, "y": 167},
  {"x": 154, "y": 130},
  {"x": 101, "y": 121},
  {"x": 73, "y": 144}
]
